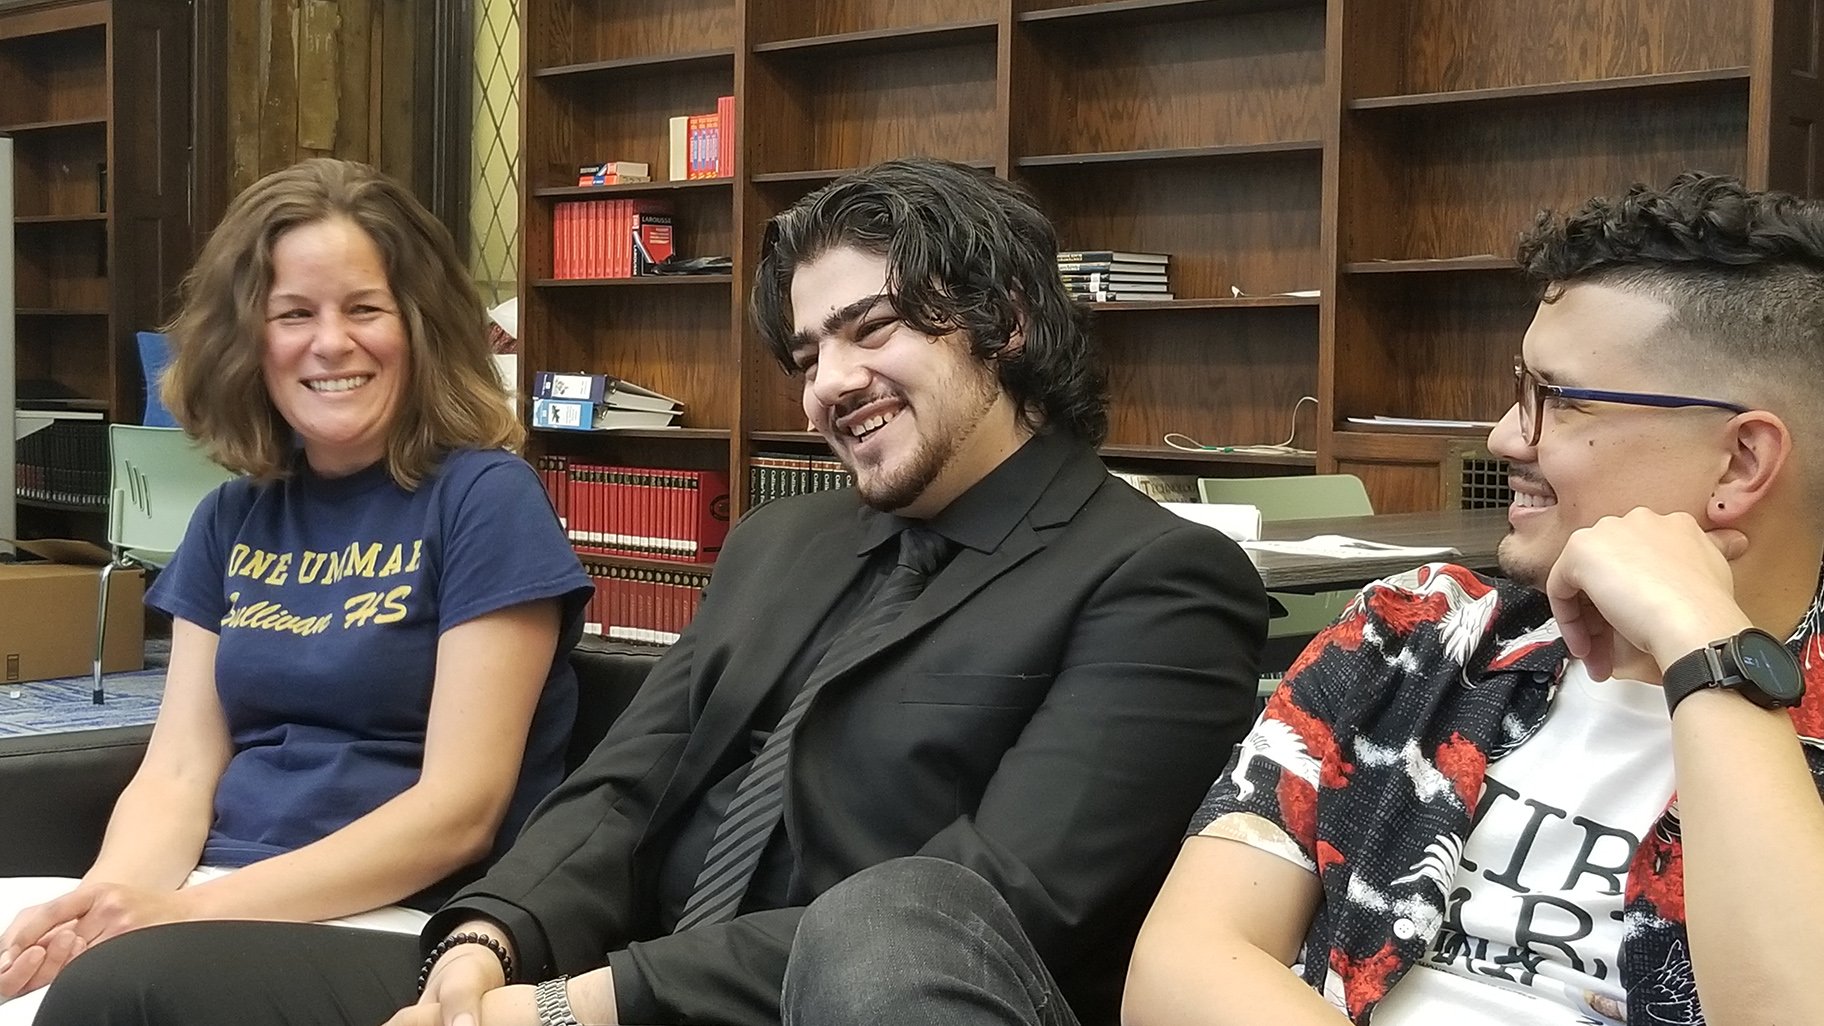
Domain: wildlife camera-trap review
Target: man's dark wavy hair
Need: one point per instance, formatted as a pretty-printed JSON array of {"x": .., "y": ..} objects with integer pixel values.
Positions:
[
  {"x": 1741, "y": 270},
  {"x": 965, "y": 251}
]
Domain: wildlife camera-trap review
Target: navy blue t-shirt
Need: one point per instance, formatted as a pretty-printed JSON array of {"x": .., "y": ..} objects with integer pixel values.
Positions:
[{"x": 329, "y": 596}]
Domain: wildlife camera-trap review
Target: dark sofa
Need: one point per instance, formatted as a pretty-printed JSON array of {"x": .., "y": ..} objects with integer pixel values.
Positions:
[{"x": 56, "y": 790}]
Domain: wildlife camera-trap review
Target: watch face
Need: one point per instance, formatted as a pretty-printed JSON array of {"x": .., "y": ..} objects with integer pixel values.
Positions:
[{"x": 1769, "y": 666}]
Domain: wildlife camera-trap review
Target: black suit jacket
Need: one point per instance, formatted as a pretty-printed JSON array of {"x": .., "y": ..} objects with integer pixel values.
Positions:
[{"x": 1048, "y": 714}]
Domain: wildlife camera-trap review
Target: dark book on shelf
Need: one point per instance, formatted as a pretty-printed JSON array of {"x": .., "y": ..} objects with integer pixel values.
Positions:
[
  {"x": 1092, "y": 256},
  {"x": 776, "y": 475},
  {"x": 1121, "y": 283},
  {"x": 1114, "y": 276},
  {"x": 1107, "y": 267},
  {"x": 1104, "y": 296}
]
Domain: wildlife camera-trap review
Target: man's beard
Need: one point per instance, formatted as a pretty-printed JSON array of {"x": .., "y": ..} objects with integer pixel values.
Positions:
[
  {"x": 1517, "y": 568},
  {"x": 899, "y": 488}
]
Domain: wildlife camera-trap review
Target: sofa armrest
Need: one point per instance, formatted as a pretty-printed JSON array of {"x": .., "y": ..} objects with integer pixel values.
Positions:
[
  {"x": 608, "y": 674},
  {"x": 59, "y": 791}
]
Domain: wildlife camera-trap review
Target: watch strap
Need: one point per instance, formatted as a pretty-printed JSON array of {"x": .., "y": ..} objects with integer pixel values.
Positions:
[
  {"x": 1693, "y": 672},
  {"x": 551, "y": 999}
]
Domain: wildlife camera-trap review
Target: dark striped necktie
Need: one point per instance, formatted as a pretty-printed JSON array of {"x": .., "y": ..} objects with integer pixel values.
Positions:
[{"x": 754, "y": 812}]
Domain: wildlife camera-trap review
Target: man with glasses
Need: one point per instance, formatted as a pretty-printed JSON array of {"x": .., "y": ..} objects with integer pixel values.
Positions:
[
  {"x": 1459, "y": 807},
  {"x": 1587, "y": 793}
]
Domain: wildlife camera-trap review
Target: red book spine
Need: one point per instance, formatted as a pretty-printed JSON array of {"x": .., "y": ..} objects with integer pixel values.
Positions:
[
  {"x": 650, "y": 489},
  {"x": 623, "y": 239},
  {"x": 674, "y": 610},
  {"x": 634, "y": 516},
  {"x": 650, "y": 607},
  {"x": 683, "y": 494},
  {"x": 674, "y": 625},
  {"x": 660, "y": 536},
  {"x": 699, "y": 135},
  {"x": 653, "y": 493},
  {"x": 573, "y": 239},
  {"x": 578, "y": 528},
  {"x": 607, "y": 523},
  {"x": 560, "y": 241},
  {"x": 709, "y": 514},
  {"x": 652, "y": 617},
  {"x": 616, "y": 505},
  {"x": 560, "y": 483},
  {"x": 694, "y": 598},
  {"x": 597, "y": 617},
  {"x": 661, "y": 506},
  {"x": 680, "y": 602},
  {"x": 725, "y": 136},
  {"x": 616, "y": 620},
  {"x": 579, "y": 505},
  {"x": 599, "y": 266}
]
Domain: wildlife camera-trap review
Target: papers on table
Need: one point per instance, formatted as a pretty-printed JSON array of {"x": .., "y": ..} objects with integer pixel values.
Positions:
[
  {"x": 1240, "y": 522},
  {"x": 1338, "y": 546}
]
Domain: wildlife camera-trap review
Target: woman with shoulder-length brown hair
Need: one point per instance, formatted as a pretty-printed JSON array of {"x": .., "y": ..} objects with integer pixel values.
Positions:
[
  {"x": 370, "y": 630},
  {"x": 213, "y": 386}
]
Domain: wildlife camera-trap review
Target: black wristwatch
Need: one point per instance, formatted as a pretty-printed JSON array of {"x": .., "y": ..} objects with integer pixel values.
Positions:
[{"x": 1753, "y": 664}]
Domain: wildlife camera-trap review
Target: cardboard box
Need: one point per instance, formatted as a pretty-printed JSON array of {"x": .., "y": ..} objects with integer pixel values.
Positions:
[{"x": 47, "y": 614}]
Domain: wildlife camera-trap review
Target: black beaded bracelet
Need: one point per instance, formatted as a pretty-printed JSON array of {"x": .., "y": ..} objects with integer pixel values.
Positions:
[{"x": 457, "y": 940}]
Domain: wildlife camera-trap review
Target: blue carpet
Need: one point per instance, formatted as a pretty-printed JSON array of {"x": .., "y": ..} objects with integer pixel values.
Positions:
[{"x": 45, "y": 706}]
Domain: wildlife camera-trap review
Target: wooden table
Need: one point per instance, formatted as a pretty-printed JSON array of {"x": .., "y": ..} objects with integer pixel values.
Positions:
[{"x": 1473, "y": 533}]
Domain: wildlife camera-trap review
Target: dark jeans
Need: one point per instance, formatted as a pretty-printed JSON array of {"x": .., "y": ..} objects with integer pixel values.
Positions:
[
  {"x": 918, "y": 941},
  {"x": 237, "y": 974}
]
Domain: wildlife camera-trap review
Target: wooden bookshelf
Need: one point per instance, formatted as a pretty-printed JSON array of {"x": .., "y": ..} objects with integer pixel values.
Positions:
[
  {"x": 1447, "y": 143},
  {"x": 93, "y": 93},
  {"x": 1377, "y": 152}
]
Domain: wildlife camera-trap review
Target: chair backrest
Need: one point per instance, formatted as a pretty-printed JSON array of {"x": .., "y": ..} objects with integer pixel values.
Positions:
[
  {"x": 154, "y": 353},
  {"x": 1304, "y": 497},
  {"x": 157, "y": 476}
]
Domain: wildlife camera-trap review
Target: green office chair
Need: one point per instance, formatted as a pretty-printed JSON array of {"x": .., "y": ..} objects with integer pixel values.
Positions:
[
  {"x": 1304, "y": 497},
  {"x": 156, "y": 478}
]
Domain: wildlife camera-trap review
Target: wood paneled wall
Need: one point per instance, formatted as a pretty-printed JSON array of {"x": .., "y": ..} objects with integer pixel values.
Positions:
[{"x": 380, "y": 81}]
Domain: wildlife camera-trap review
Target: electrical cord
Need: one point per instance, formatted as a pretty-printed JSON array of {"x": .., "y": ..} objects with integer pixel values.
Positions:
[{"x": 1185, "y": 443}]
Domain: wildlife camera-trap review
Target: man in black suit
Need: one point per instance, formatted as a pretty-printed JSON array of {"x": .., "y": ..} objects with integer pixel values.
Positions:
[{"x": 990, "y": 652}]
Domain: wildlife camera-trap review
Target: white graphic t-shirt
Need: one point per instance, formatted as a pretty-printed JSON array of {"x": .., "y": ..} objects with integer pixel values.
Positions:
[{"x": 1534, "y": 922}]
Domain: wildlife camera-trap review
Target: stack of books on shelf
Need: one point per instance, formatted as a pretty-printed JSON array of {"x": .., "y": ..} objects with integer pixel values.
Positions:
[
  {"x": 641, "y": 606},
  {"x": 609, "y": 238},
  {"x": 1115, "y": 276},
  {"x": 598, "y": 402},
  {"x": 703, "y": 145},
  {"x": 613, "y": 172},
  {"x": 652, "y": 513},
  {"x": 775, "y": 475}
]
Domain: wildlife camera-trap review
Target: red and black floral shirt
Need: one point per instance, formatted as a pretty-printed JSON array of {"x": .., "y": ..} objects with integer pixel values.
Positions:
[{"x": 1451, "y": 670}]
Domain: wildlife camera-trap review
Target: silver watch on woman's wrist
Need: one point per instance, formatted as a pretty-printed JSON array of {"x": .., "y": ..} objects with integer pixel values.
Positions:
[{"x": 552, "y": 1000}]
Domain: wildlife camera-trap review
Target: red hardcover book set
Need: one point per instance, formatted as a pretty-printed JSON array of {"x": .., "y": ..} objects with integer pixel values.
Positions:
[
  {"x": 676, "y": 515},
  {"x": 641, "y": 606},
  {"x": 616, "y": 238}
]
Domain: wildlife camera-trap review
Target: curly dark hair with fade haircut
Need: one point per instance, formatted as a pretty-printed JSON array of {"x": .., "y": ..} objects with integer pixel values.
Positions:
[
  {"x": 1742, "y": 273},
  {"x": 965, "y": 251}
]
